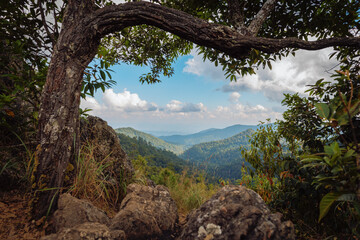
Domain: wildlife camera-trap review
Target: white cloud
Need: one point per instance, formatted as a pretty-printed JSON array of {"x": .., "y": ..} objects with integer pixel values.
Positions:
[
  {"x": 128, "y": 109},
  {"x": 197, "y": 66},
  {"x": 126, "y": 101},
  {"x": 234, "y": 97},
  {"x": 177, "y": 106},
  {"x": 90, "y": 103},
  {"x": 290, "y": 75},
  {"x": 246, "y": 113}
]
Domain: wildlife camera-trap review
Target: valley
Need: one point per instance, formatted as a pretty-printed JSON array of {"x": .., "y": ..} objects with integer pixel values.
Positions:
[{"x": 219, "y": 157}]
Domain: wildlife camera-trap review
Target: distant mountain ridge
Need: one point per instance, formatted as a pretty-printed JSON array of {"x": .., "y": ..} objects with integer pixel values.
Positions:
[
  {"x": 154, "y": 141},
  {"x": 219, "y": 152},
  {"x": 208, "y": 135},
  {"x": 221, "y": 158}
]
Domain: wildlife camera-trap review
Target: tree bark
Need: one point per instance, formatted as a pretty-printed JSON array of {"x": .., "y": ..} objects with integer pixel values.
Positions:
[
  {"x": 82, "y": 29},
  {"x": 59, "y": 110}
]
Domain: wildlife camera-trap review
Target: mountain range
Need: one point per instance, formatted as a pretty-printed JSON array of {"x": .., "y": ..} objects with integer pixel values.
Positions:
[
  {"x": 212, "y": 134},
  {"x": 219, "y": 158},
  {"x": 219, "y": 152}
]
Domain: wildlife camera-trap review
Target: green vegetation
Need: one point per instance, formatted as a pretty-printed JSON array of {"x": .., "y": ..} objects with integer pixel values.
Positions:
[
  {"x": 189, "y": 191},
  {"x": 154, "y": 141},
  {"x": 187, "y": 185},
  {"x": 91, "y": 180},
  {"x": 220, "y": 159},
  {"x": 208, "y": 135},
  {"x": 311, "y": 159},
  {"x": 155, "y": 157}
]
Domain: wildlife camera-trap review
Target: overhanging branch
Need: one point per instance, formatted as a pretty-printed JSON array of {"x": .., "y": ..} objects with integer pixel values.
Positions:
[{"x": 228, "y": 40}]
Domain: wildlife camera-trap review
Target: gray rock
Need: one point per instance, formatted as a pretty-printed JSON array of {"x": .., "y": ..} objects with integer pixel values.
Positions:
[
  {"x": 146, "y": 213},
  {"x": 72, "y": 211},
  {"x": 97, "y": 132},
  {"x": 236, "y": 212},
  {"x": 88, "y": 231}
]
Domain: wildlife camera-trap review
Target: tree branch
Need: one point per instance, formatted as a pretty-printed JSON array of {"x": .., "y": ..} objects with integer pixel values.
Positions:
[
  {"x": 236, "y": 15},
  {"x": 261, "y": 16},
  {"x": 116, "y": 17}
]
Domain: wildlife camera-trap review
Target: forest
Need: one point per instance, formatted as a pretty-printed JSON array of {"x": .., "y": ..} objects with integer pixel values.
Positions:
[{"x": 305, "y": 166}]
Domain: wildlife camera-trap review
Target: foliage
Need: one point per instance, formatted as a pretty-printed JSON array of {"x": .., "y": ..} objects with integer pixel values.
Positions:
[
  {"x": 306, "y": 18},
  {"x": 302, "y": 124},
  {"x": 145, "y": 46},
  {"x": 268, "y": 152},
  {"x": 265, "y": 186},
  {"x": 326, "y": 125},
  {"x": 218, "y": 152},
  {"x": 188, "y": 191},
  {"x": 96, "y": 77},
  {"x": 154, "y": 156}
]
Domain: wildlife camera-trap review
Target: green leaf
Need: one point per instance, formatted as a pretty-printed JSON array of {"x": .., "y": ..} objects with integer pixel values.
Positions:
[
  {"x": 103, "y": 76},
  {"x": 326, "y": 202},
  {"x": 323, "y": 110},
  {"x": 329, "y": 150}
]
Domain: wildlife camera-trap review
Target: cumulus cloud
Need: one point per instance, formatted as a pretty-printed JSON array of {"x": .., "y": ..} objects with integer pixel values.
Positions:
[
  {"x": 234, "y": 97},
  {"x": 126, "y": 101},
  {"x": 195, "y": 65},
  {"x": 289, "y": 75},
  {"x": 246, "y": 113},
  {"x": 91, "y": 103},
  {"x": 177, "y": 106}
]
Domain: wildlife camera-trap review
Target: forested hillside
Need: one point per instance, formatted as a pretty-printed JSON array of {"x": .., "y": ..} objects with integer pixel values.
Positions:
[
  {"x": 208, "y": 135},
  {"x": 155, "y": 157},
  {"x": 150, "y": 139},
  {"x": 220, "y": 152}
]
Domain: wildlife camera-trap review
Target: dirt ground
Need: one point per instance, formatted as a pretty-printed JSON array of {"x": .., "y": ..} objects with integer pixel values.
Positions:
[{"x": 15, "y": 222}]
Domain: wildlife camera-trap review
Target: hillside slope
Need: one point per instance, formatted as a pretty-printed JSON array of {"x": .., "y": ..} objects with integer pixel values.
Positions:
[
  {"x": 208, "y": 135},
  {"x": 134, "y": 146},
  {"x": 221, "y": 159},
  {"x": 154, "y": 141}
]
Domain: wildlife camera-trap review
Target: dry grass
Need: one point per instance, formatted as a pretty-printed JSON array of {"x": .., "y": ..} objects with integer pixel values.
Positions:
[
  {"x": 92, "y": 181},
  {"x": 191, "y": 192}
]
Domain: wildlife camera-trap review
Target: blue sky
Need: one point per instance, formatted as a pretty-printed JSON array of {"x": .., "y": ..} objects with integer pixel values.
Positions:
[{"x": 198, "y": 96}]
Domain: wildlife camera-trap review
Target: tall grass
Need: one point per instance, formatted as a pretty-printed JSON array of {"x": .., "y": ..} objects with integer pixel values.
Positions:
[
  {"x": 92, "y": 180},
  {"x": 188, "y": 191}
]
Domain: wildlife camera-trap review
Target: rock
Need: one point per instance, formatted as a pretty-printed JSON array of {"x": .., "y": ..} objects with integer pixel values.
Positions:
[
  {"x": 236, "y": 212},
  {"x": 96, "y": 132},
  {"x": 146, "y": 213},
  {"x": 89, "y": 231},
  {"x": 72, "y": 211}
]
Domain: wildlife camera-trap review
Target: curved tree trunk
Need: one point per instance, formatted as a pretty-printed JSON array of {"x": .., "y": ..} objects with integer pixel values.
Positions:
[{"x": 59, "y": 111}]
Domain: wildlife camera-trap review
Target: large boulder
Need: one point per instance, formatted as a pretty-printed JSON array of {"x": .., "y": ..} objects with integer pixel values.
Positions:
[
  {"x": 72, "y": 211},
  {"x": 90, "y": 231},
  {"x": 236, "y": 212},
  {"x": 107, "y": 149},
  {"x": 146, "y": 213}
]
